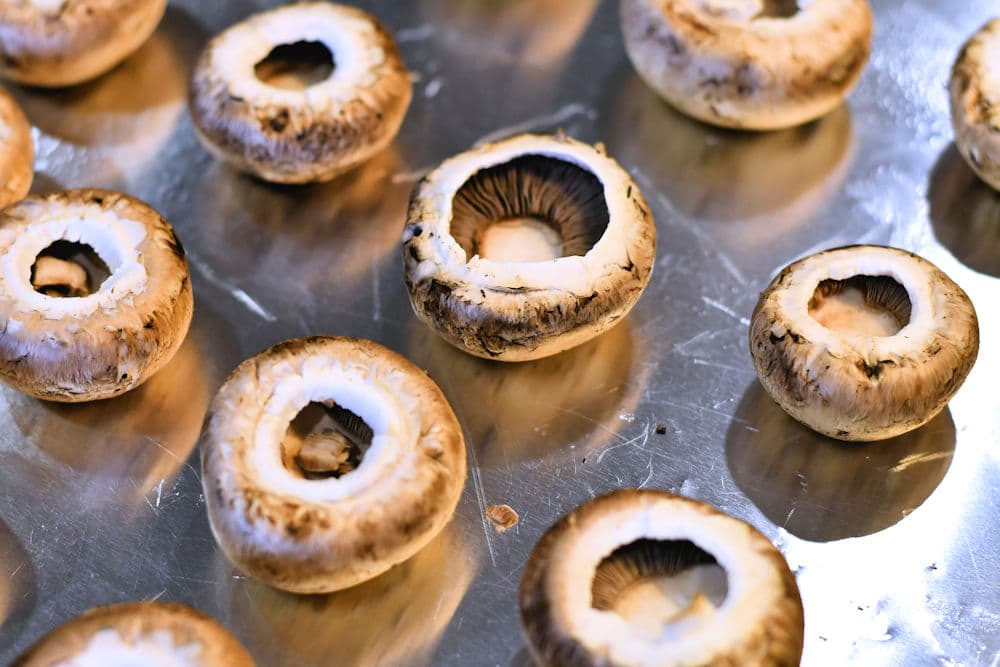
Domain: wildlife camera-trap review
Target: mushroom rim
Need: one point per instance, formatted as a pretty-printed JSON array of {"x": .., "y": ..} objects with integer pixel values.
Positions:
[
  {"x": 353, "y": 37},
  {"x": 395, "y": 429},
  {"x": 598, "y": 531},
  {"x": 115, "y": 238},
  {"x": 431, "y": 215},
  {"x": 792, "y": 289},
  {"x": 770, "y": 27}
]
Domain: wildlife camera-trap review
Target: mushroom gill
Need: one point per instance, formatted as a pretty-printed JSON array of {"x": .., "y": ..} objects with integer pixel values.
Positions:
[
  {"x": 651, "y": 582},
  {"x": 325, "y": 440},
  {"x": 532, "y": 208},
  {"x": 861, "y": 305},
  {"x": 296, "y": 66},
  {"x": 68, "y": 269}
]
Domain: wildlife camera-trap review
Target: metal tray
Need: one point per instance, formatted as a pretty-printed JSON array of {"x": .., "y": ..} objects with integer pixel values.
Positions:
[{"x": 896, "y": 545}]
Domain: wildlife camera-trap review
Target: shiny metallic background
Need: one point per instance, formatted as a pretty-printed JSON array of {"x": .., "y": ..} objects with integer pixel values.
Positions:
[{"x": 896, "y": 545}]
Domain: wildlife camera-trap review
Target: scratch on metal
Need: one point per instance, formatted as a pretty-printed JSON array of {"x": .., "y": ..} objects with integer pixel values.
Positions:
[
  {"x": 232, "y": 290},
  {"x": 561, "y": 115}
]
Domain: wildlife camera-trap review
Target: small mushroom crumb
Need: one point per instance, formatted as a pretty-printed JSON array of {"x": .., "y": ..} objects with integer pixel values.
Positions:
[
  {"x": 325, "y": 454},
  {"x": 57, "y": 277},
  {"x": 661, "y": 429},
  {"x": 503, "y": 517}
]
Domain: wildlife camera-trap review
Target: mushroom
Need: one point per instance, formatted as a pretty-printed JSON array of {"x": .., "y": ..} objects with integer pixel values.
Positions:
[
  {"x": 527, "y": 247},
  {"x": 307, "y": 529},
  {"x": 113, "y": 330},
  {"x": 17, "y": 151},
  {"x": 55, "y": 43},
  {"x": 975, "y": 102},
  {"x": 301, "y": 93},
  {"x": 138, "y": 633},
  {"x": 752, "y": 64},
  {"x": 642, "y": 577},
  {"x": 863, "y": 342}
]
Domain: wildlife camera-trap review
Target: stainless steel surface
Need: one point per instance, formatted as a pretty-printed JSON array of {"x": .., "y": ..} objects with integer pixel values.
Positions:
[{"x": 896, "y": 545}]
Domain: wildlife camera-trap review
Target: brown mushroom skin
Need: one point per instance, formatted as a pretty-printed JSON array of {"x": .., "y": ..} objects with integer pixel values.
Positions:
[
  {"x": 368, "y": 541},
  {"x": 294, "y": 145},
  {"x": 976, "y": 122},
  {"x": 57, "y": 363},
  {"x": 17, "y": 151},
  {"x": 135, "y": 619},
  {"x": 777, "y": 642},
  {"x": 672, "y": 42},
  {"x": 77, "y": 43},
  {"x": 883, "y": 401}
]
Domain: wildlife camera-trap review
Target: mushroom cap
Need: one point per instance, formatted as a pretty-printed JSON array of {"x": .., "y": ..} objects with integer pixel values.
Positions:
[
  {"x": 51, "y": 44},
  {"x": 975, "y": 102},
  {"x": 759, "y": 73},
  {"x": 760, "y": 622},
  {"x": 17, "y": 151},
  {"x": 518, "y": 311},
  {"x": 290, "y": 136},
  {"x": 856, "y": 387},
  {"x": 313, "y": 536},
  {"x": 133, "y": 632},
  {"x": 101, "y": 345}
]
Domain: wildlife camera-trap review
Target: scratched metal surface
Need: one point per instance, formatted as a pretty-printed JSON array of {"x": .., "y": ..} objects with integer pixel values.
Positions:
[{"x": 895, "y": 545}]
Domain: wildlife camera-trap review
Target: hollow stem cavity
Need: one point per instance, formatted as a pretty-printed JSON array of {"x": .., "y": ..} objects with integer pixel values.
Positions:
[
  {"x": 654, "y": 582},
  {"x": 533, "y": 208},
  {"x": 296, "y": 66},
  {"x": 325, "y": 440},
  {"x": 861, "y": 306},
  {"x": 746, "y": 10},
  {"x": 67, "y": 269}
]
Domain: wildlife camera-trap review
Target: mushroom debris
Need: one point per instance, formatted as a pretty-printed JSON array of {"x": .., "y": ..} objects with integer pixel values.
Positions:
[
  {"x": 301, "y": 93},
  {"x": 377, "y": 477},
  {"x": 642, "y": 577},
  {"x": 863, "y": 342},
  {"x": 17, "y": 151},
  {"x": 55, "y": 43},
  {"x": 526, "y": 247},
  {"x": 95, "y": 294},
  {"x": 975, "y": 102},
  {"x": 752, "y": 64},
  {"x": 138, "y": 633}
]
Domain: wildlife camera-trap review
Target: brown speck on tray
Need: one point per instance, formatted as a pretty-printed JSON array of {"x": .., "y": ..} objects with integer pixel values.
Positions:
[{"x": 503, "y": 517}]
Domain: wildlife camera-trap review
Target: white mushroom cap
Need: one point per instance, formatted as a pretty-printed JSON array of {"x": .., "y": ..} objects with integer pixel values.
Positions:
[
  {"x": 97, "y": 346},
  {"x": 17, "y": 151},
  {"x": 522, "y": 310},
  {"x": 758, "y": 623},
  {"x": 310, "y": 536},
  {"x": 862, "y": 387},
  {"x": 975, "y": 102},
  {"x": 725, "y": 64},
  {"x": 54, "y": 43},
  {"x": 153, "y": 634},
  {"x": 301, "y": 136}
]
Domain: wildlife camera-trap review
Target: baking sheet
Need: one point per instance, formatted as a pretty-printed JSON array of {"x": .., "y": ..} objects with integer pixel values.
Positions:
[{"x": 895, "y": 545}]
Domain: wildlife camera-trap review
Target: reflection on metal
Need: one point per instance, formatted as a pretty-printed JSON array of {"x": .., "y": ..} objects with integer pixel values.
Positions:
[
  {"x": 394, "y": 619},
  {"x": 965, "y": 213},
  {"x": 532, "y": 410},
  {"x": 895, "y": 545},
  {"x": 761, "y": 183},
  {"x": 822, "y": 489}
]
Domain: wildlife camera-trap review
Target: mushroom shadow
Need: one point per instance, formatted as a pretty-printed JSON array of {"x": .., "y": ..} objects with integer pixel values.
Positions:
[
  {"x": 318, "y": 238},
  {"x": 18, "y": 586},
  {"x": 820, "y": 489},
  {"x": 765, "y": 181},
  {"x": 965, "y": 213},
  {"x": 538, "y": 33},
  {"x": 134, "y": 440},
  {"x": 532, "y": 410},
  {"x": 396, "y": 618},
  {"x": 522, "y": 658},
  {"x": 116, "y": 124}
]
